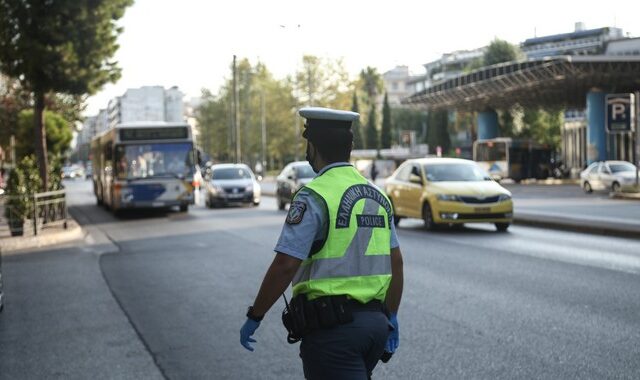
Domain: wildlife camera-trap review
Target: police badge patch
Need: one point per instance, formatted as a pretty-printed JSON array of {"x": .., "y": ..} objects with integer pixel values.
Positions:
[{"x": 296, "y": 212}]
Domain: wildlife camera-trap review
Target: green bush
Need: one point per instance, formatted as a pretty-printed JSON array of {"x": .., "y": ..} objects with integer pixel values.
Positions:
[{"x": 15, "y": 209}]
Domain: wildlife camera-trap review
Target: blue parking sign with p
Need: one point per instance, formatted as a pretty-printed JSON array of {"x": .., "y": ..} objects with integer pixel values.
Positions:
[{"x": 620, "y": 113}]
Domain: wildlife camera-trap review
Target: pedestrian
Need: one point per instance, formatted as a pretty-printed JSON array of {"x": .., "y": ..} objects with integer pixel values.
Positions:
[
  {"x": 339, "y": 250},
  {"x": 374, "y": 171}
]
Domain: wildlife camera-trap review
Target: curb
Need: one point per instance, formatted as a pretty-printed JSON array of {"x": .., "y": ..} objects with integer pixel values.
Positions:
[
  {"x": 618, "y": 230},
  {"x": 18, "y": 244},
  {"x": 628, "y": 196}
]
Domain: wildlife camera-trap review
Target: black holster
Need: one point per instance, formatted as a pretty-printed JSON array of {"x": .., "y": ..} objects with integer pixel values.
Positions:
[{"x": 302, "y": 316}]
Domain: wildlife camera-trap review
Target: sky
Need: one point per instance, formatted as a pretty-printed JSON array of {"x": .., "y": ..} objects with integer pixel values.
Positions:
[{"x": 191, "y": 43}]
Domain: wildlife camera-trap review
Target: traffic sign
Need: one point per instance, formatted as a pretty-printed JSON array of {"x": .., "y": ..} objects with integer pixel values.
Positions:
[{"x": 620, "y": 113}]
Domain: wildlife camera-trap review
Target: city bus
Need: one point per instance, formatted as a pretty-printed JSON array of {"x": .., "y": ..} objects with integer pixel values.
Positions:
[
  {"x": 144, "y": 165},
  {"x": 505, "y": 157}
]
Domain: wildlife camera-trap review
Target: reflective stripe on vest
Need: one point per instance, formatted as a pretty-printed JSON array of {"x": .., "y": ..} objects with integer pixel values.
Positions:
[{"x": 355, "y": 258}]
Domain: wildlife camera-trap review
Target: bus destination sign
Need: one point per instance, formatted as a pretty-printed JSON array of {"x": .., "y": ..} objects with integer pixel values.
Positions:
[{"x": 162, "y": 133}]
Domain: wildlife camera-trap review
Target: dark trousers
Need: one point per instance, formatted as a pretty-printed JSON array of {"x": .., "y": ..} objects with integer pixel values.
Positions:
[{"x": 349, "y": 351}]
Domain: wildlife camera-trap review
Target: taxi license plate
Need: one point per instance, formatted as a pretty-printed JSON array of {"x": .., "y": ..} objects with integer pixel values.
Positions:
[
  {"x": 157, "y": 204},
  {"x": 482, "y": 209},
  {"x": 235, "y": 195}
]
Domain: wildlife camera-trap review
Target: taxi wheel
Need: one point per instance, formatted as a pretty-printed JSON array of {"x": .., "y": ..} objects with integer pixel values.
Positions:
[
  {"x": 396, "y": 217},
  {"x": 427, "y": 216},
  {"x": 587, "y": 187},
  {"x": 502, "y": 227}
]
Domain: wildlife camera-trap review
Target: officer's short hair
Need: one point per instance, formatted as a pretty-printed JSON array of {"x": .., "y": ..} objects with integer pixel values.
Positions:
[{"x": 334, "y": 145}]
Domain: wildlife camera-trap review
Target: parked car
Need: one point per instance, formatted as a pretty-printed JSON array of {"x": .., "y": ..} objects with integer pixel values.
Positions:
[
  {"x": 448, "y": 191},
  {"x": 1, "y": 295},
  {"x": 291, "y": 179},
  {"x": 72, "y": 171},
  {"x": 608, "y": 175},
  {"x": 231, "y": 184}
]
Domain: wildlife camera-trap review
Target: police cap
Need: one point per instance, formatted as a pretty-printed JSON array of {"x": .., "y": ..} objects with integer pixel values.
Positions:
[{"x": 324, "y": 119}]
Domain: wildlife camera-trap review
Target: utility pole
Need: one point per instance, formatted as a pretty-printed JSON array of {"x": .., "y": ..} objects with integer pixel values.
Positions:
[
  {"x": 636, "y": 146},
  {"x": 263, "y": 125},
  {"x": 310, "y": 85},
  {"x": 234, "y": 111}
]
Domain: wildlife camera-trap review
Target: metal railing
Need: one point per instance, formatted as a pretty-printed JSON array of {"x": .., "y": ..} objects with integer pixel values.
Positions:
[
  {"x": 42, "y": 209},
  {"x": 48, "y": 208}
]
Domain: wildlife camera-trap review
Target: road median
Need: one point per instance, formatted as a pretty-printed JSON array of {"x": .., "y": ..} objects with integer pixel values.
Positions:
[{"x": 600, "y": 226}]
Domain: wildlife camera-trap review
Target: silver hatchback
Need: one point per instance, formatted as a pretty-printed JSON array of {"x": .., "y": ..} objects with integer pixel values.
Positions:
[{"x": 609, "y": 175}]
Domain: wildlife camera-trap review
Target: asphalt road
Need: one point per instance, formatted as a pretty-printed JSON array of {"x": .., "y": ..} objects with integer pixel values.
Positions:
[{"x": 531, "y": 303}]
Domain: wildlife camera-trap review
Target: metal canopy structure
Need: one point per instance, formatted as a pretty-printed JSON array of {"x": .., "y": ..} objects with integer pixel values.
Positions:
[{"x": 557, "y": 81}]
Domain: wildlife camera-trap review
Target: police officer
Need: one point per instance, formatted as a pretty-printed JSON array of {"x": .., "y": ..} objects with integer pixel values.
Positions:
[{"x": 338, "y": 243}]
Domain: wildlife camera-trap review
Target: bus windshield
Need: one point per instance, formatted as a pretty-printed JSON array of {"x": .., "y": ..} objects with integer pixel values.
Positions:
[
  {"x": 154, "y": 160},
  {"x": 454, "y": 172},
  {"x": 491, "y": 151}
]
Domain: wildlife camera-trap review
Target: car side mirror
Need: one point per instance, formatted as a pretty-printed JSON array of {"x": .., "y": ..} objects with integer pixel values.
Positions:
[
  {"x": 291, "y": 177},
  {"x": 415, "y": 179}
]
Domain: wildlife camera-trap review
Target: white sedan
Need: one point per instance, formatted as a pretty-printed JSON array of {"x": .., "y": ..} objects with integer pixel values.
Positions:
[{"x": 609, "y": 175}]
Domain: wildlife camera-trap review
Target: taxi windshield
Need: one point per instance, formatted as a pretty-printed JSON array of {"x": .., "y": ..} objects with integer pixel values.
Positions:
[{"x": 454, "y": 172}]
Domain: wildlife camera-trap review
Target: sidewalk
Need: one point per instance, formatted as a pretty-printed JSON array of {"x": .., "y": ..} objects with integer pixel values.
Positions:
[
  {"x": 47, "y": 237},
  {"x": 60, "y": 318}
]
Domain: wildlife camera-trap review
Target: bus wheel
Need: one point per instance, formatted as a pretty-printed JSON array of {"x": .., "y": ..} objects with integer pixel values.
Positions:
[
  {"x": 427, "y": 216},
  {"x": 502, "y": 227},
  {"x": 184, "y": 208}
]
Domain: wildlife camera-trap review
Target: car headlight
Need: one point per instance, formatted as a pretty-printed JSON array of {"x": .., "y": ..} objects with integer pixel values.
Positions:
[
  {"x": 214, "y": 189},
  {"x": 448, "y": 197},
  {"x": 504, "y": 197}
]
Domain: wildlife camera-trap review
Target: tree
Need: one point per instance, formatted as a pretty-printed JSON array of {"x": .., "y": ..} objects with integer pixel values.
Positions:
[
  {"x": 371, "y": 130},
  {"x": 385, "y": 132},
  {"x": 59, "y": 46},
  {"x": 255, "y": 83},
  {"x": 371, "y": 83},
  {"x": 407, "y": 119},
  {"x": 355, "y": 127},
  {"x": 438, "y": 131},
  {"x": 57, "y": 130},
  {"x": 500, "y": 51},
  {"x": 322, "y": 82}
]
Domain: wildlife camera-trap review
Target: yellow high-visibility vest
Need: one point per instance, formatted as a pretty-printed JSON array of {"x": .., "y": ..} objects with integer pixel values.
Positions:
[{"x": 355, "y": 258}]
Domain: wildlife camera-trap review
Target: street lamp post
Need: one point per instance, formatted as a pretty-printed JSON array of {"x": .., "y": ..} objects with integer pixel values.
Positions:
[{"x": 263, "y": 124}]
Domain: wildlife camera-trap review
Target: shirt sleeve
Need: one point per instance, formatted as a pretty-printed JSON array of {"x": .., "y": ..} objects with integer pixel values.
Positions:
[
  {"x": 394, "y": 237},
  {"x": 304, "y": 224}
]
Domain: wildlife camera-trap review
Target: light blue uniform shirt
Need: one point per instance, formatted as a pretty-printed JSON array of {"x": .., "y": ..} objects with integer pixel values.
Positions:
[{"x": 296, "y": 240}]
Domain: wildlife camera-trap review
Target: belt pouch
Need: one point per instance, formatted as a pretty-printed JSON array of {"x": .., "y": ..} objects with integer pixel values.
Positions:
[
  {"x": 311, "y": 316},
  {"x": 343, "y": 309},
  {"x": 326, "y": 313}
]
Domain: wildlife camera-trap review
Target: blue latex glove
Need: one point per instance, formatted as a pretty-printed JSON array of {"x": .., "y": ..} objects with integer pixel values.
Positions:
[
  {"x": 249, "y": 327},
  {"x": 394, "y": 336}
]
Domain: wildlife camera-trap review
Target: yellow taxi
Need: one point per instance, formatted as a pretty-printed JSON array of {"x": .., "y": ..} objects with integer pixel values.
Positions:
[{"x": 448, "y": 191}]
